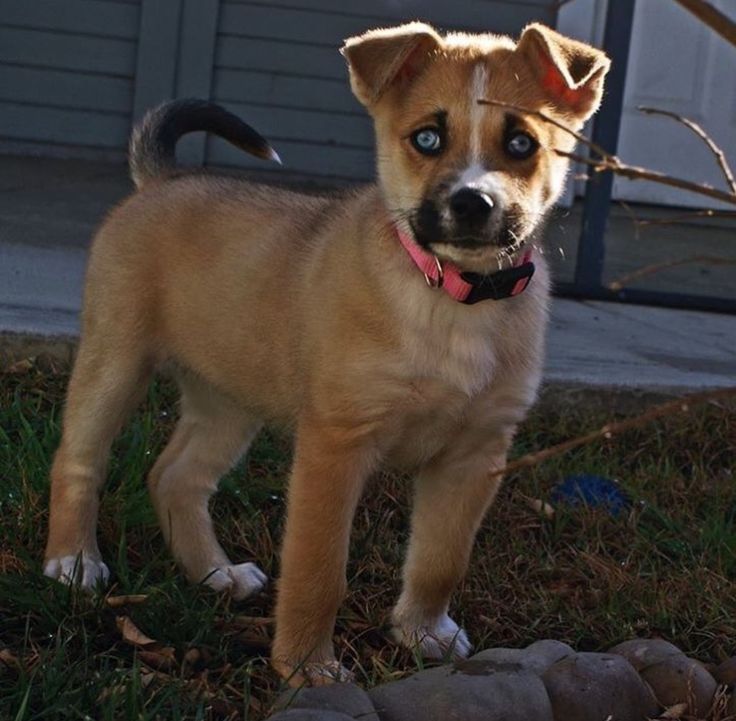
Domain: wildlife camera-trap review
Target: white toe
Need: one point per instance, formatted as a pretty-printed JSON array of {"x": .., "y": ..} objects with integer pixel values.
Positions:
[
  {"x": 82, "y": 569},
  {"x": 240, "y": 581},
  {"x": 438, "y": 639}
]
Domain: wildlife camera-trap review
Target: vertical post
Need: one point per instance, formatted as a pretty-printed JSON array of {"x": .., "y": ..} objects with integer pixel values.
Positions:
[
  {"x": 158, "y": 50},
  {"x": 196, "y": 65},
  {"x": 176, "y": 50},
  {"x": 591, "y": 248}
]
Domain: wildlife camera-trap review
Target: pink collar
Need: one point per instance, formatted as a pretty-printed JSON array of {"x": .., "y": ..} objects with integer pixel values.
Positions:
[{"x": 469, "y": 288}]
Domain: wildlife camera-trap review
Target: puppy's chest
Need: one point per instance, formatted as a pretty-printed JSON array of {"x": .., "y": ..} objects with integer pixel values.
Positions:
[
  {"x": 464, "y": 359},
  {"x": 444, "y": 379}
]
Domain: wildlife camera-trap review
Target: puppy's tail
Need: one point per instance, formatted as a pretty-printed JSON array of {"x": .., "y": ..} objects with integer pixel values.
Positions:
[{"x": 153, "y": 142}]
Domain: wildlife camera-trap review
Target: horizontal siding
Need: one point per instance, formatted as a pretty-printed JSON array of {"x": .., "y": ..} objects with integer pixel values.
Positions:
[
  {"x": 277, "y": 65},
  {"x": 60, "y": 125},
  {"x": 67, "y": 74},
  {"x": 313, "y": 126},
  {"x": 491, "y": 15},
  {"x": 104, "y": 56},
  {"x": 280, "y": 56},
  {"x": 307, "y": 159},
  {"x": 280, "y": 90},
  {"x": 68, "y": 89},
  {"x": 270, "y": 22},
  {"x": 91, "y": 17}
]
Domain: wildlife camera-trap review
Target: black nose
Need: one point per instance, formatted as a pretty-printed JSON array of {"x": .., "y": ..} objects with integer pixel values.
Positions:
[{"x": 471, "y": 206}]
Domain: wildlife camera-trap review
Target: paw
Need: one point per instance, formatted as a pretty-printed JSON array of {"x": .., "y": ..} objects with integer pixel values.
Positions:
[
  {"x": 441, "y": 639},
  {"x": 313, "y": 673},
  {"x": 82, "y": 570},
  {"x": 240, "y": 581}
]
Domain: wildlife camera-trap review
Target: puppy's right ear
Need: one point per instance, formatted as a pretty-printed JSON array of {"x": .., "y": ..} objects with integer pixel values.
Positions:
[{"x": 380, "y": 59}]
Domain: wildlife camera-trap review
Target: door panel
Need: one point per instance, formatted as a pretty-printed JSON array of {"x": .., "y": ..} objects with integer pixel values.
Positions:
[{"x": 679, "y": 64}]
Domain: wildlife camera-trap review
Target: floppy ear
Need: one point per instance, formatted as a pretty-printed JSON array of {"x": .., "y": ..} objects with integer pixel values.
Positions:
[
  {"x": 382, "y": 58},
  {"x": 571, "y": 73}
]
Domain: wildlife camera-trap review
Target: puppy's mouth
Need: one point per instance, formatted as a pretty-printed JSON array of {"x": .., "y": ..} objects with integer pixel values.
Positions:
[{"x": 483, "y": 250}]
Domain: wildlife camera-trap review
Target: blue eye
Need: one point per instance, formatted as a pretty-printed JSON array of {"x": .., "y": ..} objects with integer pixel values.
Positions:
[
  {"x": 427, "y": 141},
  {"x": 521, "y": 145}
]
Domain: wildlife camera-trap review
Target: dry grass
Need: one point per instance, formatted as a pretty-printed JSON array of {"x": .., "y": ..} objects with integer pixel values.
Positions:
[{"x": 665, "y": 569}]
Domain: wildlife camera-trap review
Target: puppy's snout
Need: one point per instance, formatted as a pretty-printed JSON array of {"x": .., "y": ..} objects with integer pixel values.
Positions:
[{"x": 471, "y": 206}]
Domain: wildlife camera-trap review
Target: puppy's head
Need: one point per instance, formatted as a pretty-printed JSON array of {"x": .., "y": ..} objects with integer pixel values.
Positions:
[{"x": 472, "y": 181}]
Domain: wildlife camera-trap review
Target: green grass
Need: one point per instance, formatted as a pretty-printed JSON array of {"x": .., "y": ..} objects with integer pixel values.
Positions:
[{"x": 664, "y": 569}]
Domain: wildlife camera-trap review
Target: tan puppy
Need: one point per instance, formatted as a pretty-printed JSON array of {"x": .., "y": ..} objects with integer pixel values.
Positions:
[{"x": 270, "y": 306}]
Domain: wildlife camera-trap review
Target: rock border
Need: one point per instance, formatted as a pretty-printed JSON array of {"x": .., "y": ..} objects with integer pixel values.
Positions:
[{"x": 546, "y": 681}]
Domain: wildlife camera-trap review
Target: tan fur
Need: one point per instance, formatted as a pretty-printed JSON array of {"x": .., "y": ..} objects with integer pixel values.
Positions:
[{"x": 271, "y": 306}]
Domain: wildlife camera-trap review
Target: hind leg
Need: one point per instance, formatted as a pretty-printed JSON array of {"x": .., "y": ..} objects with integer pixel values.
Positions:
[
  {"x": 106, "y": 385},
  {"x": 212, "y": 434}
]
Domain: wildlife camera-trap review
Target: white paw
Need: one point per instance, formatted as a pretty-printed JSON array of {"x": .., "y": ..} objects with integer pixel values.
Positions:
[
  {"x": 239, "y": 581},
  {"x": 440, "y": 639},
  {"x": 81, "y": 569}
]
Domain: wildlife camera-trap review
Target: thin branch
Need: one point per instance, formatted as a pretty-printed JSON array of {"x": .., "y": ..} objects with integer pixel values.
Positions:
[
  {"x": 623, "y": 280},
  {"x": 700, "y": 132},
  {"x": 712, "y": 17},
  {"x": 685, "y": 217},
  {"x": 597, "y": 149},
  {"x": 609, "y": 162},
  {"x": 680, "y": 405},
  {"x": 630, "y": 212},
  {"x": 633, "y": 172}
]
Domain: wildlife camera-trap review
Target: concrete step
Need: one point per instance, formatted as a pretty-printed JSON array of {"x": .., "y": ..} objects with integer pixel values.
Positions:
[{"x": 49, "y": 209}]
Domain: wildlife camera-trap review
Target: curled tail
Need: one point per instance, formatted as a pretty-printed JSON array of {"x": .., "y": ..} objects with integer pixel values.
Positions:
[{"x": 153, "y": 142}]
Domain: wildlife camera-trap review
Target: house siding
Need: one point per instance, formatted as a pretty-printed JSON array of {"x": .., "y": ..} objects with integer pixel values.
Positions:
[
  {"x": 74, "y": 75},
  {"x": 67, "y": 73}
]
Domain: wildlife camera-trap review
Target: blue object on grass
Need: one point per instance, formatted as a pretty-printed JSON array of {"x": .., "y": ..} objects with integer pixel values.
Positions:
[{"x": 593, "y": 491}]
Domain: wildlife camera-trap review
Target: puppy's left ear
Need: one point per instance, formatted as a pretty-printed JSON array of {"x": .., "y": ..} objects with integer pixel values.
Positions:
[
  {"x": 570, "y": 73},
  {"x": 380, "y": 59}
]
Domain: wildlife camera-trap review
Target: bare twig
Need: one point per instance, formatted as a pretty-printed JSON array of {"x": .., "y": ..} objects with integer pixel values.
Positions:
[
  {"x": 712, "y": 17},
  {"x": 633, "y": 172},
  {"x": 698, "y": 130},
  {"x": 608, "y": 162},
  {"x": 685, "y": 217},
  {"x": 597, "y": 149},
  {"x": 630, "y": 212},
  {"x": 623, "y": 280},
  {"x": 680, "y": 405}
]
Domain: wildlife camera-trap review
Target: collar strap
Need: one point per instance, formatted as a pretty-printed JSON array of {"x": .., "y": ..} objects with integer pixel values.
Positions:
[{"x": 470, "y": 288}]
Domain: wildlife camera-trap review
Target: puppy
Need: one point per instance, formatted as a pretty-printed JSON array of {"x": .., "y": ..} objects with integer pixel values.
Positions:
[{"x": 396, "y": 325}]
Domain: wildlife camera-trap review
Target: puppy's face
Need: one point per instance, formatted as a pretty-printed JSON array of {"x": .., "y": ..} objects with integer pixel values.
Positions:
[{"x": 472, "y": 181}]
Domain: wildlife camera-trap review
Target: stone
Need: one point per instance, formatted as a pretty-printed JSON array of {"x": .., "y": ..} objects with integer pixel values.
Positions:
[
  {"x": 596, "y": 686},
  {"x": 542, "y": 654},
  {"x": 309, "y": 714},
  {"x": 641, "y": 652},
  {"x": 469, "y": 691},
  {"x": 726, "y": 672},
  {"x": 679, "y": 679},
  {"x": 346, "y": 698},
  {"x": 537, "y": 657}
]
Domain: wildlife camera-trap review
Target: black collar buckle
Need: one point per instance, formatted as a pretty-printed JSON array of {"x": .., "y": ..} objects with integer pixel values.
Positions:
[{"x": 497, "y": 286}]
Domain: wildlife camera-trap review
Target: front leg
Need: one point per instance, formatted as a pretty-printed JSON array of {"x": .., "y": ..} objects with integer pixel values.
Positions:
[
  {"x": 330, "y": 468},
  {"x": 452, "y": 495}
]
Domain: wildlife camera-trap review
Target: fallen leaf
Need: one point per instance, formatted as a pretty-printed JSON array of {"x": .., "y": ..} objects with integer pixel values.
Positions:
[
  {"x": 20, "y": 367},
  {"x": 8, "y": 658},
  {"x": 131, "y": 633},
  {"x": 248, "y": 621},
  {"x": 161, "y": 659},
  {"x": 676, "y": 711},
  {"x": 118, "y": 601}
]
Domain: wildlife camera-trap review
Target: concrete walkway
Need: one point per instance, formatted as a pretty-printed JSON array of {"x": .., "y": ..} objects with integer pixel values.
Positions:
[{"x": 49, "y": 209}]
